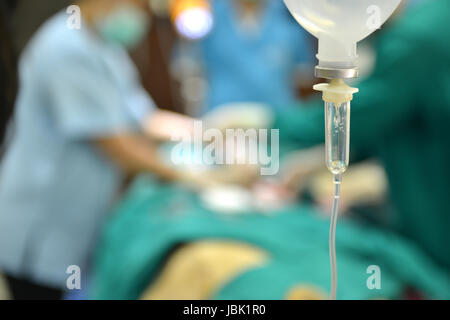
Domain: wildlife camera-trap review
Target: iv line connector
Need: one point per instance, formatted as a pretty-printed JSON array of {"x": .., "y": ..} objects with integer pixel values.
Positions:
[{"x": 337, "y": 178}]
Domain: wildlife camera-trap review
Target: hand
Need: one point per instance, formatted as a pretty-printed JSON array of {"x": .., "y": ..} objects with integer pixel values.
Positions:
[
  {"x": 165, "y": 125},
  {"x": 270, "y": 195},
  {"x": 299, "y": 166},
  {"x": 197, "y": 180},
  {"x": 237, "y": 174},
  {"x": 242, "y": 115},
  {"x": 363, "y": 184},
  {"x": 241, "y": 175}
]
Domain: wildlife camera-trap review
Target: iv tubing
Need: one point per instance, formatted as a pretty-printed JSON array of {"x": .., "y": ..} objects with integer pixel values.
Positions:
[{"x": 334, "y": 216}]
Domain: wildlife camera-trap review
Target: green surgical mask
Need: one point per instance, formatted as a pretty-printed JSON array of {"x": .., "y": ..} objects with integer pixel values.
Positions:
[{"x": 125, "y": 26}]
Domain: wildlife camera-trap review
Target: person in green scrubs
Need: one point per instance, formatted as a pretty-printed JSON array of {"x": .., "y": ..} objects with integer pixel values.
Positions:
[{"x": 402, "y": 116}]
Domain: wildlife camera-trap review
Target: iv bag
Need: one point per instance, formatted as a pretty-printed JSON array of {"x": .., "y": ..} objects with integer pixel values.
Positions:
[{"x": 340, "y": 24}]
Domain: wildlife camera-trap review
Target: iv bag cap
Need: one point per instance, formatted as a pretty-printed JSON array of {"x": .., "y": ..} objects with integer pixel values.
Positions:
[
  {"x": 336, "y": 91},
  {"x": 332, "y": 73}
]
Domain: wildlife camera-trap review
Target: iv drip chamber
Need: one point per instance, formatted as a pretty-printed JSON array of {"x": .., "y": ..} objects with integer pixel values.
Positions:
[{"x": 337, "y": 96}]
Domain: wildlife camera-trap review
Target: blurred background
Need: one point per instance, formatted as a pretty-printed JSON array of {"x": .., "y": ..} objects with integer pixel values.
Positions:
[{"x": 220, "y": 232}]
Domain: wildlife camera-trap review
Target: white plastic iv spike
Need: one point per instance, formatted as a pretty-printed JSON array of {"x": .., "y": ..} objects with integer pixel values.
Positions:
[{"x": 336, "y": 91}]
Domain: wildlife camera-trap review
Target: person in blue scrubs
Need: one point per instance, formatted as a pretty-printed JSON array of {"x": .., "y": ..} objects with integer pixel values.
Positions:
[
  {"x": 81, "y": 124},
  {"x": 253, "y": 54}
]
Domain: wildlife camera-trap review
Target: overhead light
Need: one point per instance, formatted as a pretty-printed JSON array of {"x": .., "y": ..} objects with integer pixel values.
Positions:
[{"x": 193, "y": 19}]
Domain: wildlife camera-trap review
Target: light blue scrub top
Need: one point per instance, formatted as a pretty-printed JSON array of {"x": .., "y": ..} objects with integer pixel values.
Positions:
[
  {"x": 254, "y": 67},
  {"x": 55, "y": 187}
]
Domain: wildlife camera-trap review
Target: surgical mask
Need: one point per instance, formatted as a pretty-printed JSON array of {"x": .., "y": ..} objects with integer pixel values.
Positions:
[{"x": 125, "y": 26}]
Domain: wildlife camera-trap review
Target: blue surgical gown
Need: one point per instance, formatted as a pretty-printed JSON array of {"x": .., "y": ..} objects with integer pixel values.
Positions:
[
  {"x": 254, "y": 67},
  {"x": 55, "y": 187}
]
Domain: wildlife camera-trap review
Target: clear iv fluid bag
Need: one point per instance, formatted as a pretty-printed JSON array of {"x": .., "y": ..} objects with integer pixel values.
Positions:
[
  {"x": 342, "y": 19},
  {"x": 337, "y": 136},
  {"x": 340, "y": 24}
]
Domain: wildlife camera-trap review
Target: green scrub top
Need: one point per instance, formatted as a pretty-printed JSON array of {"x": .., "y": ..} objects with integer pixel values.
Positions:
[{"x": 402, "y": 116}]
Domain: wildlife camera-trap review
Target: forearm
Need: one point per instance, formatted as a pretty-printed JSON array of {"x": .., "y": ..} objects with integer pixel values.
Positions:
[{"x": 134, "y": 154}]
